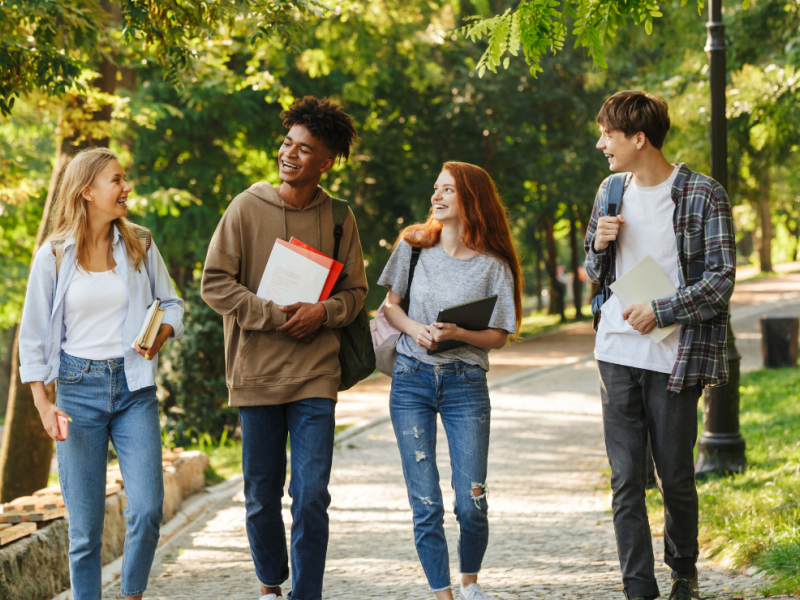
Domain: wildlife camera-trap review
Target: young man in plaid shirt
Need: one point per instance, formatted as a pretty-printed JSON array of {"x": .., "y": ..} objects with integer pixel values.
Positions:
[{"x": 683, "y": 220}]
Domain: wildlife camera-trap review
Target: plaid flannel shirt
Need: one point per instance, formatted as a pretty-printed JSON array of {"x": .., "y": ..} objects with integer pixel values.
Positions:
[{"x": 707, "y": 260}]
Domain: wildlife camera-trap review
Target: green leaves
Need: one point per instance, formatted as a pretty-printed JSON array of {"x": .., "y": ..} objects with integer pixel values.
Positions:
[
  {"x": 543, "y": 25},
  {"x": 47, "y": 43}
]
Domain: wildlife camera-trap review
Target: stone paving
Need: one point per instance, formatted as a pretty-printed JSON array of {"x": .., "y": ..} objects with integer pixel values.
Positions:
[{"x": 551, "y": 531}]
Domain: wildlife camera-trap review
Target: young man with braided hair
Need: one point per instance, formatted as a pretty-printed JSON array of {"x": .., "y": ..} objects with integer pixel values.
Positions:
[
  {"x": 683, "y": 221},
  {"x": 282, "y": 365}
]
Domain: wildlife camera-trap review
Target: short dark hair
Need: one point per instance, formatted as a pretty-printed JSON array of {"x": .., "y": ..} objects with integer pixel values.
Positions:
[
  {"x": 325, "y": 120},
  {"x": 632, "y": 111}
]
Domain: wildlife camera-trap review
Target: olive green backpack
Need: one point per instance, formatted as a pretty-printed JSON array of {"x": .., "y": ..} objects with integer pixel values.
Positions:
[{"x": 356, "y": 354}]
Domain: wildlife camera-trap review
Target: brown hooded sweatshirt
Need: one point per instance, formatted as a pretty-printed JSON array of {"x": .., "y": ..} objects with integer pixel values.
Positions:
[{"x": 264, "y": 366}]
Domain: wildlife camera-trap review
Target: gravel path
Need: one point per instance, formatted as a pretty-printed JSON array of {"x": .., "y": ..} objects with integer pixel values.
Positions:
[{"x": 551, "y": 531}]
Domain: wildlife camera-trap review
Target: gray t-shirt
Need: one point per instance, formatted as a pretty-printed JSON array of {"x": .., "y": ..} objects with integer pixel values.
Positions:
[{"x": 441, "y": 281}]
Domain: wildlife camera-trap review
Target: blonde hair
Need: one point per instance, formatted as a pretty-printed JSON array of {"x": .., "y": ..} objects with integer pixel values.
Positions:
[{"x": 70, "y": 218}]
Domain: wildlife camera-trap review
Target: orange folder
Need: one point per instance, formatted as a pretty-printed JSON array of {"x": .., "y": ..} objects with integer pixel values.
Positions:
[{"x": 333, "y": 276}]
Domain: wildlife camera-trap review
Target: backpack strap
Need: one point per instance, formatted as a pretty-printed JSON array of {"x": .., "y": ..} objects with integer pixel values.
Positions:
[
  {"x": 58, "y": 251},
  {"x": 340, "y": 212},
  {"x": 405, "y": 303},
  {"x": 145, "y": 239},
  {"x": 612, "y": 202},
  {"x": 614, "y": 192}
]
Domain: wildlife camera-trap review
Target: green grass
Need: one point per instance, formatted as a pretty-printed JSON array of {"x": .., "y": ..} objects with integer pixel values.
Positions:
[
  {"x": 754, "y": 518},
  {"x": 539, "y": 322}
]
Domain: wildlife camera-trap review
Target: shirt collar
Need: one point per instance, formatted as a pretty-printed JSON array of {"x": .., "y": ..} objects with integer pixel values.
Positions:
[
  {"x": 680, "y": 181},
  {"x": 115, "y": 234}
]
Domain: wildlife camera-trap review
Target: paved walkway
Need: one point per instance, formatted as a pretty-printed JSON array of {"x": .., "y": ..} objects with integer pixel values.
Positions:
[
  {"x": 551, "y": 531},
  {"x": 551, "y": 527}
]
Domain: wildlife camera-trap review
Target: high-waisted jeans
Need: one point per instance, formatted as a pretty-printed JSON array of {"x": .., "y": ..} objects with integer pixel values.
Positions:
[
  {"x": 94, "y": 393},
  {"x": 458, "y": 392}
]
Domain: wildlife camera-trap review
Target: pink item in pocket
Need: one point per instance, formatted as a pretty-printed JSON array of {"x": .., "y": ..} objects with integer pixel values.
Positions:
[{"x": 63, "y": 427}]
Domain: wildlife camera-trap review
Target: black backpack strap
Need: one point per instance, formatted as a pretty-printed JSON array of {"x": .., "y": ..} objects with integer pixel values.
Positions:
[
  {"x": 340, "y": 212},
  {"x": 405, "y": 304}
]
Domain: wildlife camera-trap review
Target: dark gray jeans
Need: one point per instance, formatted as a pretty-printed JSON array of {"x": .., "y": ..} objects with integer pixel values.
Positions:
[{"x": 635, "y": 402}]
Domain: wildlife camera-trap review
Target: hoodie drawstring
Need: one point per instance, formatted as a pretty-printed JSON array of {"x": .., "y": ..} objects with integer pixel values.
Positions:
[{"x": 285, "y": 226}]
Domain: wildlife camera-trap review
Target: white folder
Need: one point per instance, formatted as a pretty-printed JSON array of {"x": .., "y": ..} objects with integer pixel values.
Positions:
[{"x": 645, "y": 282}]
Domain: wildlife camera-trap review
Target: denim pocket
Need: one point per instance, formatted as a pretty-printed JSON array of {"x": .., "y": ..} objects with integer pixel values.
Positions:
[
  {"x": 474, "y": 375},
  {"x": 399, "y": 368},
  {"x": 69, "y": 375}
]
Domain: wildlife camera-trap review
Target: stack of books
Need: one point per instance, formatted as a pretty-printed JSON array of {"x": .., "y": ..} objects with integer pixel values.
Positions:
[{"x": 296, "y": 272}]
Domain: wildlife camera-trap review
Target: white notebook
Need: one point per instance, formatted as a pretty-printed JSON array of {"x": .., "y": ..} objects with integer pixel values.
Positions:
[
  {"x": 645, "y": 282},
  {"x": 293, "y": 274}
]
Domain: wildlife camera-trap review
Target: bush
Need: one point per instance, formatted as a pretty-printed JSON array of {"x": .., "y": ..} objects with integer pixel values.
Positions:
[{"x": 192, "y": 378}]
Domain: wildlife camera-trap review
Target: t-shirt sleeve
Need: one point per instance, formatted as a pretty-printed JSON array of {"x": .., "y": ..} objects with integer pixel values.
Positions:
[
  {"x": 395, "y": 273},
  {"x": 505, "y": 312}
]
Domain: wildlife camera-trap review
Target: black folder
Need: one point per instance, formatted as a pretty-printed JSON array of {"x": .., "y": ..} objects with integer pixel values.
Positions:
[{"x": 474, "y": 316}]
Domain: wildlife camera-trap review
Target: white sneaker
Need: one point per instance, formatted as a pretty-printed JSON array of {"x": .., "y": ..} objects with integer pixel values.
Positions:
[
  {"x": 270, "y": 597},
  {"x": 474, "y": 592}
]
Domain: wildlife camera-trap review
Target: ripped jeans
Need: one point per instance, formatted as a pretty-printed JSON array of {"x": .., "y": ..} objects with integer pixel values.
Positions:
[{"x": 458, "y": 392}]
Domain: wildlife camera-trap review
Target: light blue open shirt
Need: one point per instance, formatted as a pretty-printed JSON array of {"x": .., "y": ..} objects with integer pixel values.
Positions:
[{"x": 42, "y": 328}]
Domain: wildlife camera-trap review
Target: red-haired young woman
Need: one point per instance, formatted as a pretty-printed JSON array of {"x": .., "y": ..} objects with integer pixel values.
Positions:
[{"x": 466, "y": 254}]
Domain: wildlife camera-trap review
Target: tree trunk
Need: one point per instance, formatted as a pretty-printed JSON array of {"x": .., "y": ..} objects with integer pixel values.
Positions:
[
  {"x": 27, "y": 450},
  {"x": 539, "y": 306},
  {"x": 577, "y": 284},
  {"x": 796, "y": 234},
  {"x": 764, "y": 190},
  {"x": 556, "y": 287}
]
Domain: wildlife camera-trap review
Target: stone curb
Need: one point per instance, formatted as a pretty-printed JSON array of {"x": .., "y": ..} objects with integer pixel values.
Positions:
[{"x": 193, "y": 508}]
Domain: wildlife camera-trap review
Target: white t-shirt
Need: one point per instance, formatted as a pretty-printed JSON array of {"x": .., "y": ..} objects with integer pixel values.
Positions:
[
  {"x": 647, "y": 230},
  {"x": 95, "y": 309}
]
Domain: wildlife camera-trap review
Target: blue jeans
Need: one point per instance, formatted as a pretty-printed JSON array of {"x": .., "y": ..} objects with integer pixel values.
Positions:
[
  {"x": 458, "y": 392},
  {"x": 95, "y": 394},
  {"x": 309, "y": 424}
]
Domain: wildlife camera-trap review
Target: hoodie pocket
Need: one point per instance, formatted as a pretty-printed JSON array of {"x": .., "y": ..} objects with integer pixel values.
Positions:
[{"x": 273, "y": 358}]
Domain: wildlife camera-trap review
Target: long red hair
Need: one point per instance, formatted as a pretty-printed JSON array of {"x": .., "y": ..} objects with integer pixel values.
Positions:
[{"x": 483, "y": 217}]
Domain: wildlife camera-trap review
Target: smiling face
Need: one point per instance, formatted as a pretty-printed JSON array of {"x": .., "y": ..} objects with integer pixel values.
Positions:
[
  {"x": 622, "y": 152},
  {"x": 108, "y": 193},
  {"x": 445, "y": 202},
  {"x": 302, "y": 157}
]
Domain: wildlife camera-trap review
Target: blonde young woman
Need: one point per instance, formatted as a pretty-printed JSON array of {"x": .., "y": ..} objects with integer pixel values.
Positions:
[{"x": 89, "y": 290}]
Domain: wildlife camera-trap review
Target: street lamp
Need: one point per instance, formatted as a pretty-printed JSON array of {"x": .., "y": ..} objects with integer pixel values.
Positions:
[{"x": 721, "y": 446}]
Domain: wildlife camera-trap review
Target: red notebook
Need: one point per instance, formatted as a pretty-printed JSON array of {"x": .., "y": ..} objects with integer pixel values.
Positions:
[{"x": 333, "y": 276}]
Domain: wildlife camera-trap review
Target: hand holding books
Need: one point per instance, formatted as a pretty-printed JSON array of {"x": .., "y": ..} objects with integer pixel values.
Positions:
[
  {"x": 298, "y": 278},
  {"x": 303, "y": 320},
  {"x": 153, "y": 334}
]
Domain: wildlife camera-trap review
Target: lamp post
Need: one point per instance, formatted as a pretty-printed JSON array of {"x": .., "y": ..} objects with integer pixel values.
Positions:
[{"x": 721, "y": 446}]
